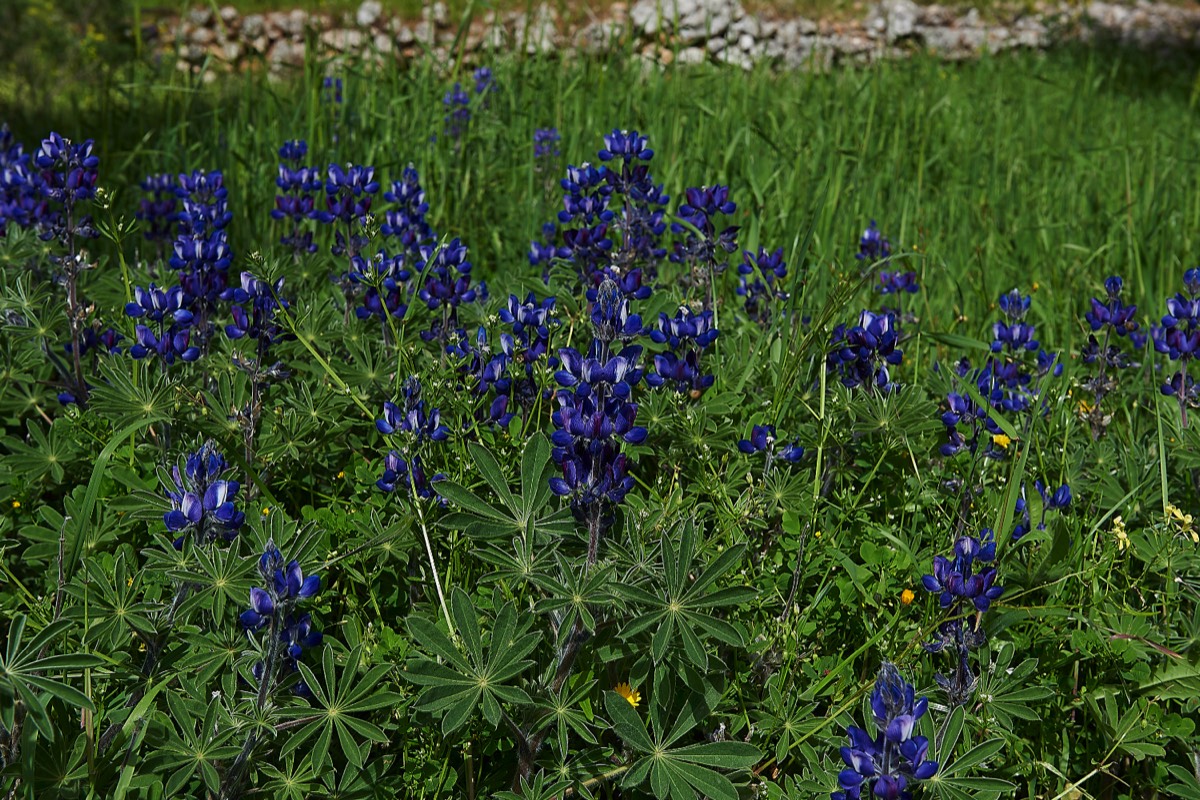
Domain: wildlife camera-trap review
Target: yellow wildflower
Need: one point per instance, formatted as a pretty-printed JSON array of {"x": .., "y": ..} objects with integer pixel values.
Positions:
[
  {"x": 629, "y": 693},
  {"x": 1119, "y": 532},
  {"x": 907, "y": 596},
  {"x": 16, "y": 503},
  {"x": 1183, "y": 523},
  {"x": 266, "y": 510},
  {"x": 1002, "y": 441},
  {"x": 341, "y": 474}
]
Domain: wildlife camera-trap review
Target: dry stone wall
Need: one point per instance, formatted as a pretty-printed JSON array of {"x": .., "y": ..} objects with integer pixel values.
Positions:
[{"x": 663, "y": 31}]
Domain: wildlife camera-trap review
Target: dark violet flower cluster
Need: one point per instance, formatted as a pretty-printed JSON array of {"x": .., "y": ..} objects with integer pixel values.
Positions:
[
  {"x": 415, "y": 426},
  {"x": 331, "y": 91},
  {"x": 613, "y": 217},
  {"x": 545, "y": 145},
  {"x": 873, "y": 246},
  {"x": 256, "y": 303},
  {"x": 447, "y": 286},
  {"x": 386, "y": 279},
  {"x": 1007, "y": 382},
  {"x": 489, "y": 373},
  {"x": 165, "y": 331},
  {"x": 639, "y": 204},
  {"x": 1106, "y": 357},
  {"x": 897, "y": 283},
  {"x": 68, "y": 178},
  {"x": 862, "y": 354},
  {"x": 158, "y": 210},
  {"x": 760, "y": 282},
  {"x": 596, "y": 416},
  {"x": 1057, "y": 500},
  {"x": 1179, "y": 338},
  {"x": 406, "y": 221},
  {"x": 21, "y": 200},
  {"x": 296, "y": 201},
  {"x": 202, "y": 499},
  {"x": 509, "y": 375},
  {"x": 884, "y": 766},
  {"x": 274, "y": 606},
  {"x": 202, "y": 253},
  {"x": 763, "y": 440},
  {"x": 703, "y": 247},
  {"x": 686, "y": 334},
  {"x": 105, "y": 341},
  {"x": 964, "y": 589},
  {"x": 457, "y": 103},
  {"x": 349, "y": 192}
]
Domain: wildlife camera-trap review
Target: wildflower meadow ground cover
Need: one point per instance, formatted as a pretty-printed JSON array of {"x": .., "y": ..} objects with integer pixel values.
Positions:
[{"x": 547, "y": 430}]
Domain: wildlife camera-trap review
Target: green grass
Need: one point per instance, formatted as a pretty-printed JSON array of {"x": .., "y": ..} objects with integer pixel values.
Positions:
[{"x": 1051, "y": 170}]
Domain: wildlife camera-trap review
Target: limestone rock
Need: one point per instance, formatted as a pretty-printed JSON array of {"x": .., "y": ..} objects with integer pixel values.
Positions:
[{"x": 368, "y": 13}]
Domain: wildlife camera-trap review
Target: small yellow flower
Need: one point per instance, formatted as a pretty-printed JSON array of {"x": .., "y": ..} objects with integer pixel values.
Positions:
[
  {"x": 1183, "y": 523},
  {"x": 1085, "y": 407},
  {"x": 907, "y": 596},
  {"x": 1002, "y": 441},
  {"x": 629, "y": 693},
  {"x": 129, "y": 581},
  {"x": 266, "y": 510},
  {"x": 16, "y": 503},
  {"x": 341, "y": 474},
  {"x": 1119, "y": 532},
  {"x": 817, "y": 534}
]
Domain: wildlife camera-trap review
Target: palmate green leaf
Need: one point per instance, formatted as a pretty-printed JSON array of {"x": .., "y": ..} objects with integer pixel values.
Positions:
[
  {"x": 337, "y": 694},
  {"x": 682, "y": 608},
  {"x": 504, "y": 515},
  {"x": 21, "y": 673},
  {"x": 479, "y": 677},
  {"x": 681, "y": 772}
]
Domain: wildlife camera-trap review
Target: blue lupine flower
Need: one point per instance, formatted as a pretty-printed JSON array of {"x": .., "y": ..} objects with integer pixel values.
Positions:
[
  {"x": 531, "y": 322},
  {"x": 897, "y": 283},
  {"x": 458, "y": 112},
  {"x": 21, "y": 199},
  {"x": 873, "y": 246},
  {"x": 264, "y": 300},
  {"x": 406, "y": 221},
  {"x": 884, "y": 766},
  {"x": 763, "y": 440},
  {"x": 419, "y": 425},
  {"x": 169, "y": 336},
  {"x": 202, "y": 254},
  {"x": 68, "y": 176},
  {"x": 158, "y": 211},
  {"x": 760, "y": 282},
  {"x": 1112, "y": 313},
  {"x": 963, "y": 589},
  {"x": 687, "y": 334},
  {"x": 274, "y": 606},
  {"x": 545, "y": 144},
  {"x": 862, "y": 354},
  {"x": 92, "y": 338},
  {"x": 408, "y": 473},
  {"x": 348, "y": 193},
  {"x": 331, "y": 90},
  {"x": 1057, "y": 500},
  {"x": 485, "y": 82},
  {"x": 202, "y": 499},
  {"x": 386, "y": 279},
  {"x": 957, "y": 583},
  {"x": 298, "y": 185},
  {"x": 686, "y": 327},
  {"x": 447, "y": 285},
  {"x": 1179, "y": 339},
  {"x": 612, "y": 320},
  {"x": 1016, "y": 334},
  {"x": 704, "y": 205}
]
